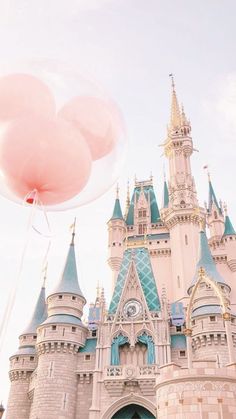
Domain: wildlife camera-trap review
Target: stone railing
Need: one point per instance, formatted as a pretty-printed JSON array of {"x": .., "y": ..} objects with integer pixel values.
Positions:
[{"x": 131, "y": 371}]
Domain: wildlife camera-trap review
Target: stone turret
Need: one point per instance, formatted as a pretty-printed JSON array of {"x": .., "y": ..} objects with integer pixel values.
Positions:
[
  {"x": 208, "y": 326},
  {"x": 116, "y": 232},
  {"x": 24, "y": 362},
  {"x": 183, "y": 214},
  {"x": 60, "y": 337}
]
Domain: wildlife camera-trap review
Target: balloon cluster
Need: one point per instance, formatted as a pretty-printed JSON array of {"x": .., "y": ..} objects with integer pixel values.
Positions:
[{"x": 49, "y": 154}]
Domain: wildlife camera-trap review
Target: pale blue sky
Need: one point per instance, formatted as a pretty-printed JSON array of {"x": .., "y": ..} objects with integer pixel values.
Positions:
[{"x": 130, "y": 47}]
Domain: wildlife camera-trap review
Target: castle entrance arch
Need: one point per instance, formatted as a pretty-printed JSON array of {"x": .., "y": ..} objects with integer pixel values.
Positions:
[{"x": 133, "y": 411}]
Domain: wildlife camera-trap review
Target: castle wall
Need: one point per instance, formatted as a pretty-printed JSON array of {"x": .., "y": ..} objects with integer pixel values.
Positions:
[
  {"x": 19, "y": 402},
  {"x": 55, "y": 393},
  {"x": 202, "y": 392}
]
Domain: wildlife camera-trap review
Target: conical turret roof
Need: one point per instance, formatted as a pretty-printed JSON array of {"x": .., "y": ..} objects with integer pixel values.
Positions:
[
  {"x": 69, "y": 280},
  {"x": 165, "y": 195},
  {"x": 39, "y": 314},
  {"x": 206, "y": 261},
  {"x": 117, "y": 212},
  {"x": 229, "y": 229}
]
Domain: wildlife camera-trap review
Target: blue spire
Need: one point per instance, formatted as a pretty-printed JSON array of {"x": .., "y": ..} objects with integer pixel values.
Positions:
[
  {"x": 155, "y": 214},
  {"x": 39, "y": 315},
  {"x": 165, "y": 195},
  {"x": 212, "y": 198},
  {"x": 69, "y": 280},
  {"x": 206, "y": 261},
  {"x": 117, "y": 213},
  {"x": 154, "y": 210},
  {"x": 229, "y": 230}
]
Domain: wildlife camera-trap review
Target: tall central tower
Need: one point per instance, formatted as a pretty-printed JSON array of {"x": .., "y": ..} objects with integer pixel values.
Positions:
[{"x": 183, "y": 214}]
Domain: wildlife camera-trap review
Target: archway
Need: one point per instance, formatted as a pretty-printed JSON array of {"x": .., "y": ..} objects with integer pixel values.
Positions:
[{"x": 133, "y": 411}]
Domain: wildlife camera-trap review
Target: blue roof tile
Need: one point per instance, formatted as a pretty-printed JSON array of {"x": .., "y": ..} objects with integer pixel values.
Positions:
[
  {"x": 206, "y": 261},
  {"x": 39, "y": 314},
  {"x": 69, "y": 280},
  {"x": 90, "y": 346},
  {"x": 141, "y": 258},
  {"x": 229, "y": 230}
]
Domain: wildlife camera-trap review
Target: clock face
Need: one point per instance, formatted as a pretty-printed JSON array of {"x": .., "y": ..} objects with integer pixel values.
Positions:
[{"x": 132, "y": 309}]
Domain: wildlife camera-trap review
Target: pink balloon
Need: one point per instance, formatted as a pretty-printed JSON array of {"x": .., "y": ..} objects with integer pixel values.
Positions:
[
  {"x": 46, "y": 155},
  {"x": 96, "y": 120},
  {"x": 23, "y": 94}
]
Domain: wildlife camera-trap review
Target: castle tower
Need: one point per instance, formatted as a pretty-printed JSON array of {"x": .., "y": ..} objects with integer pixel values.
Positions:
[
  {"x": 183, "y": 213},
  {"x": 116, "y": 235},
  {"x": 208, "y": 326},
  {"x": 215, "y": 217},
  {"x": 229, "y": 240},
  {"x": 59, "y": 339},
  {"x": 24, "y": 362}
]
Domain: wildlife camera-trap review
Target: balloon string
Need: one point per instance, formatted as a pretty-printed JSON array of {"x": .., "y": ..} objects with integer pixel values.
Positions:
[{"x": 12, "y": 296}]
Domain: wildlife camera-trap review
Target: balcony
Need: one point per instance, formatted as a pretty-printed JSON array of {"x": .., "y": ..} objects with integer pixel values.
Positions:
[{"x": 117, "y": 378}]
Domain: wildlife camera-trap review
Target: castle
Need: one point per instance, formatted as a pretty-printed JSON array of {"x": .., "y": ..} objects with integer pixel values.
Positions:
[{"x": 166, "y": 345}]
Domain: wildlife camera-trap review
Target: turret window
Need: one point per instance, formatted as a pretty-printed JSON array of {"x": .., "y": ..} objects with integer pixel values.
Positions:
[
  {"x": 186, "y": 239},
  {"x": 59, "y": 297},
  {"x": 73, "y": 298},
  {"x": 54, "y": 327},
  {"x": 87, "y": 357},
  {"x": 182, "y": 354},
  {"x": 73, "y": 329},
  {"x": 34, "y": 337},
  {"x": 31, "y": 358},
  {"x": 212, "y": 318},
  {"x": 94, "y": 333},
  {"x": 178, "y": 329}
]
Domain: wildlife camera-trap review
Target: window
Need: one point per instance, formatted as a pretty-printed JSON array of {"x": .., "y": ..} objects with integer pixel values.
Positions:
[
  {"x": 178, "y": 328},
  {"x": 186, "y": 239},
  {"x": 31, "y": 358},
  {"x": 193, "y": 322},
  {"x": 34, "y": 337},
  {"x": 60, "y": 297},
  {"x": 73, "y": 298},
  {"x": 142, "y": 228},
  {"x": 54, "y": 327},
  {"x": 94, "y": 333},
  {"x": 178, "y": 281},
  {"x": 215, "y": 215},
  {"x": 17, "y": 358},
  {"x": 87, "y": 357},
  {"x": 212, "y": 318},
  {"x": 73, "y": 329},
  {"x": 182, "y": 353},
  {"x": 24, "y": 337},
  {"x": 142, "y": 213}
]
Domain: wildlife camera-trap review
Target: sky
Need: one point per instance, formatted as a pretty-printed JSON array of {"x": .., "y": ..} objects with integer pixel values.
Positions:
[{"x": 127, "y": 48}]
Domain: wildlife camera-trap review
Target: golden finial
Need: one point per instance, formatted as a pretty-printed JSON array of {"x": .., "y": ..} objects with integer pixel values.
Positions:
[
  {"x": 172, "y": 80},
  {"x": 175, "y": 119},
  {"x": 117, "y": 191},
  {"x": 225, "y": 209},
  {"x": 72, "y": 227},
  {"x": 44, "y": 272},
  {"x": 206, "y": 167},
  {"x": 201, "y": 272},
  {"x": 127, "y": 200},
  {"x": 201, "y": 221}
]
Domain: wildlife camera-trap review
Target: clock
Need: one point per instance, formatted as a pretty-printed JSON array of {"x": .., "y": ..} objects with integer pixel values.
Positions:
[{"x": 132, "y": 309}]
